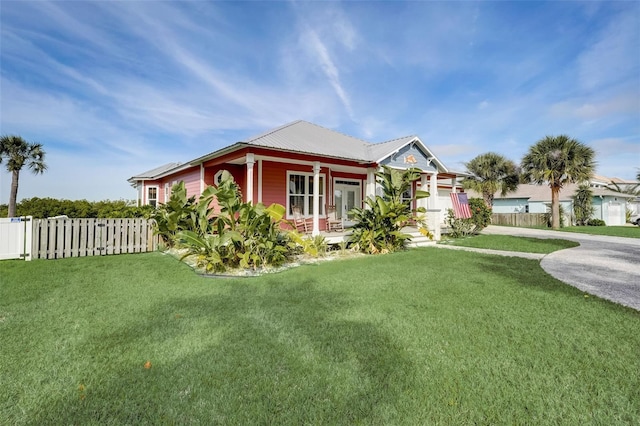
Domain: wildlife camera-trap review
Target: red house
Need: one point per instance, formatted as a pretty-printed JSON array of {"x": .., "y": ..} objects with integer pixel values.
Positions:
[{"x": 306, "y": 168}]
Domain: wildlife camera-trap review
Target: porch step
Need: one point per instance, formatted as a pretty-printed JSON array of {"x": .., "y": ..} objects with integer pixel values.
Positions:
[{"x": 419, "y": 240}]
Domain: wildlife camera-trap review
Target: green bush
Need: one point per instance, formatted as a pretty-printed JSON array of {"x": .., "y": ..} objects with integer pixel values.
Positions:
[
  {"x": 480, "y": 219},
  {"x": 241, "y": 235},
  {"x": 548, "y": 216},
  {"x": 480, "y": 213},
  {"x": 378, "y": 228},
  {"x": 596, "y": 222},
  {"x": 41, "y": 208},
  {"x": 583, "y": 204},
  {"x": 458, "y": 228}
]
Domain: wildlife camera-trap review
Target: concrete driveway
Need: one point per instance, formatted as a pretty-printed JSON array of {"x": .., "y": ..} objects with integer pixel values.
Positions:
[{"x": 608, "y": 267}]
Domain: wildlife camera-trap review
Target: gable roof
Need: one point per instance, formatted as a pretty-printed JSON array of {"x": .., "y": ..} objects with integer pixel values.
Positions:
[
  {"x": 303, "y": 137},
  {"x": 309, "y": 138},
  {"x": 153, "y": 173}
]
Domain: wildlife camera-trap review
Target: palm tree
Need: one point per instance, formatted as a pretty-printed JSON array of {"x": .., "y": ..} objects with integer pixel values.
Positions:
[
  {"x": 491, "y": 173},
  {"x": 556, "y": 161},
  {"x": 19, "y": 153}
]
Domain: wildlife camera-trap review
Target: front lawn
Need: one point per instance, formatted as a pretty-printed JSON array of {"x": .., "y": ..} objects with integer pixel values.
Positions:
[
  {"x": 612, "y": 231},
  {"x": 511, "y": 243},
  {"x": 426, "y": 336}
]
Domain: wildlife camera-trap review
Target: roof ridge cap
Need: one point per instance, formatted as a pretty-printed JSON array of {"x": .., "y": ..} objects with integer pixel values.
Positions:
[
  {"x": 269, "y": 132},
  {"x": 395, "y": 139}
]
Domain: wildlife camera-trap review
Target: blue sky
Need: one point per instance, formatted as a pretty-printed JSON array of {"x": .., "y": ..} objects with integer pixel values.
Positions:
[{"x": 116, "y": 88}]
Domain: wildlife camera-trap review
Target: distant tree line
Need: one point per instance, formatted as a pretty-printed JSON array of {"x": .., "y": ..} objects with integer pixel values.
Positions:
[{"x": 49, "y": 207}]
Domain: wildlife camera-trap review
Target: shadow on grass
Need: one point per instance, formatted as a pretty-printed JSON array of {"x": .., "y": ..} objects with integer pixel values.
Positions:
[{"x": 275, "y": 354}]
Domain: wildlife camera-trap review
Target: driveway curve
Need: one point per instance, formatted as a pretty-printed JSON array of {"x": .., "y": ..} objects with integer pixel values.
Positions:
[{"x": 607, "y": 267}]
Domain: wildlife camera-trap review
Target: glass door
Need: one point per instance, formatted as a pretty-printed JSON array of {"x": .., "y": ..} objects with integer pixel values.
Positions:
[{"x": 346, "y": 196}]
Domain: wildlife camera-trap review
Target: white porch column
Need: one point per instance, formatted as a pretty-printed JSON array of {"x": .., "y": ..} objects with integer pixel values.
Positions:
[
  {"x": 434, "y": 212},
  {"x": 259, "y": 181},
  {"x": 370, "y": 187},
  {"x": 424, "y": 186},
  {"x": 250, "y": 161},
  {"x": 454, "y": 184},
  {"x": 370, "y": 190},
  {"x": 433, "y": 190},
  {"x": 202, "y": 182},
  {"x": 316, "y": 199}
]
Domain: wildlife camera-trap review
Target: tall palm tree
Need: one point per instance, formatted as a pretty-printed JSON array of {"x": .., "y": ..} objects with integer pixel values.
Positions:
[
  {"x": 491, "y": 173},
  {"x": 19, "y": 153},
  {"x": 556, "y": 161}
]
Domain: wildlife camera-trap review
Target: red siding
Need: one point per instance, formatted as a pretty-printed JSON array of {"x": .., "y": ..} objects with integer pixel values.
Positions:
[{"x": 274, "y": 183}]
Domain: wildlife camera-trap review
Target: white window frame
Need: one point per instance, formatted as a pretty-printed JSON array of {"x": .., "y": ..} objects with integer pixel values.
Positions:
[
  {"x": 167, "y": 192},
  {"x": 308, "y": 198},
  {"x": 217, "y": 178},
  {"x": 404, "y": 199},
  {"x": 149, "y": 198}
]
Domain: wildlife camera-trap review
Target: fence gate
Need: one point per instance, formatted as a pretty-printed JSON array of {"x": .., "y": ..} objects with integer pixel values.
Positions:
[{"x": 15, "y": 238}]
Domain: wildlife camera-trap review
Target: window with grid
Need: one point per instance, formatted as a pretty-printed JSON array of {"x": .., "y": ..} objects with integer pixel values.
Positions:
[
  {"x": 152, "y": 196},
  {"x": 300, "y": 194}
]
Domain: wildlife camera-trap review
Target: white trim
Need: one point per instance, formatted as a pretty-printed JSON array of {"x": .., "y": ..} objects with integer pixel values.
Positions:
[
  {"x": 433, "y": 191},
  {"x": 307, "y": 175},
  {"x": 316, "y": 198},
  {"x": 250, "y": 161},
  {"x": 202, "y": 182},
  {"x": 167, "y": 189},
  {"x": 428, "y": 154},
  {"x": 338, "y": 182},
  {"x": 217, "y": 178},
  {"x": 333, "y": 166},
  {"x": 260, "y": 181},
  {"x": 146, "y": 194}
]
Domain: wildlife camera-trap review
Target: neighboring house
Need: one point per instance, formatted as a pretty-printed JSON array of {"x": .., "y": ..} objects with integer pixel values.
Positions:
[
  {"x": 620, "y": 185},
  {"x": 609, "y": 205},
  {"x": 306, "y": 168}
]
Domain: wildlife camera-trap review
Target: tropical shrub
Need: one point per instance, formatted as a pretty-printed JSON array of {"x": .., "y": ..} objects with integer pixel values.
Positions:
[
  {"x": 175, "y": 215},
  {"x": 459, "y": 227},
  {"x": 583, "y": 204},
  {"x": 596, "y": 222},
  {"x": 241, "y": 235},
  {"x": 378, "y": 228},
  {"x": 548, "y": 216}
]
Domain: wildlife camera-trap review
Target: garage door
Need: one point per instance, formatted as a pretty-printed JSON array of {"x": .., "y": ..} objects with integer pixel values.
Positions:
[{"x": 615, "y": 214}]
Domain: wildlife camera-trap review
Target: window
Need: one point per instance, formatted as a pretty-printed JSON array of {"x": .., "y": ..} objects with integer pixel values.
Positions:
[
  {"x": 152, "y": 196},
  {"x": 167, "y": 192},
  {"x": 300, "y": 194},
  {"x": 217, "y": 178},
  {"x": 406, "y": 196}
]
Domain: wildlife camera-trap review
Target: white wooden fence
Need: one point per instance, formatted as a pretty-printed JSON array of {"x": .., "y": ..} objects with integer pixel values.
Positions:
[
  {"x": 63, "y": 237},
  {"x": 15, "y": 238}
]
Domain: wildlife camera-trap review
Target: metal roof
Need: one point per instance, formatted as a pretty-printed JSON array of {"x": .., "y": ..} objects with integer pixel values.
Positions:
[
  {"x": 153, "y": 173},
  {"x": 309, "y": 138}
]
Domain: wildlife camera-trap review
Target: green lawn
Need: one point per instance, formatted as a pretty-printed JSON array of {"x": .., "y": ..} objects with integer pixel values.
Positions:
[
  {"x": 426, "y": 336},
  {"x": 612, "y": 231},
  {"x": 511, "y": 243}
]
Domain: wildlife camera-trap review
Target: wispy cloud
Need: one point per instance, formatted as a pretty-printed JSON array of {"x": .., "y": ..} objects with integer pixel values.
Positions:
[{"x": 120, "y": 87}]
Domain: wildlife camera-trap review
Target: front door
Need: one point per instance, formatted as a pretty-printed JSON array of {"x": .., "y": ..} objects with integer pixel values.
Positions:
[{"x": 346, "y": 196}]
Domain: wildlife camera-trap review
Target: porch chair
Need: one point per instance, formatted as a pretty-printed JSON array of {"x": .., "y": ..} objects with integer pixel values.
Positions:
[
  {"x": 333, "y": 223},
  {"x": 299, "y": 221}
]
